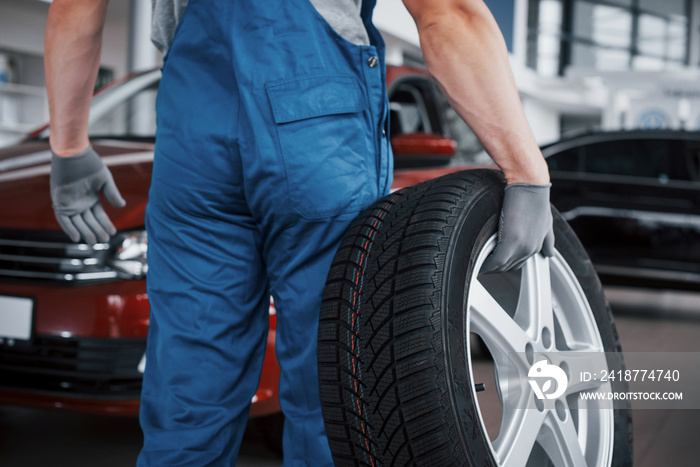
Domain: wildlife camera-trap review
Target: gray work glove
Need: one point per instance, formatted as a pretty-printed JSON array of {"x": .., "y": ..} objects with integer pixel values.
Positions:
[
  {"x": 76, "y": 182},
  {"x": 525, "y": 227}
]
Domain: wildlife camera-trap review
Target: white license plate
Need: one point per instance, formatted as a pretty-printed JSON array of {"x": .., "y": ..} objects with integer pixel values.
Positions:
[{"x": 16, "y": 318}]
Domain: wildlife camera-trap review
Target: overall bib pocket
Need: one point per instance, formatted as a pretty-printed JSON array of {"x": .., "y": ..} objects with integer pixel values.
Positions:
[{"x": 325, "y": 137}]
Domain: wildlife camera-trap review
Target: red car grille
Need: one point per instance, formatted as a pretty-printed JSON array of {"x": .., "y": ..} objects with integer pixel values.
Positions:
[
  {"x": 74, "y": 366},
  {"x": 48, "y": 256}
]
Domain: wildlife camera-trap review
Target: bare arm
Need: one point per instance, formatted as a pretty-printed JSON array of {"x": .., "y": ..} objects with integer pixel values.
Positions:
[
  {"x": 72, "y": 44},
  {"x": 464, "y": 50}
]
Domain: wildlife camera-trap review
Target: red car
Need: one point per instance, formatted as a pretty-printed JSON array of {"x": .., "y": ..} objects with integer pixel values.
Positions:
[{"x": 74, "y": 318}]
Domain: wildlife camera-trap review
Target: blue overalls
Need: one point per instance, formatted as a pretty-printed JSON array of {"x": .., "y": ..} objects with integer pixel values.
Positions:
[{"x": 271, "y": 138}]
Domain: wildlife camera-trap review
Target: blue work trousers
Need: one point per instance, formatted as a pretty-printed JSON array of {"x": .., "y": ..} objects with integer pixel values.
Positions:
[{"x": 271, "y": 138}]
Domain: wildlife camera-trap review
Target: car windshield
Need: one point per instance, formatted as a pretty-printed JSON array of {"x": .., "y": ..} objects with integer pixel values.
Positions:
[{"x": 132, "y": 117}]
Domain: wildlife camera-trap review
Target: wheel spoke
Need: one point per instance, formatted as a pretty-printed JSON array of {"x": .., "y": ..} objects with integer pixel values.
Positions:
[
  {"x": 571, "y": 342},
  {"x": 580, "y": 363},
  {"x": 559, "y": 440},
  {"x": 519, "y": 431},
  {"x": 491, "y": 322},
  {"x": 534, "y": 310}
]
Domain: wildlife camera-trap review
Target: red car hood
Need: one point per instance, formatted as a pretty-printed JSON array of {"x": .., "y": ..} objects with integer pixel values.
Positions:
[
  {"x": 26, "y": 200},
  {"x": 24, "y": 184}
]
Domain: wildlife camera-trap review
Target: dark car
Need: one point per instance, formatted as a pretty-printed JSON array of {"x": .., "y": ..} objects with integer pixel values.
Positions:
[
  {"x": 74, "y": 318},
  {"x": 633, "y": 198}
]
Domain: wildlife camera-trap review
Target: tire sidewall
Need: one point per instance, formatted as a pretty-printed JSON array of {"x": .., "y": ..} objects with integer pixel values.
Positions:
[{"x": 478, "y": 221}]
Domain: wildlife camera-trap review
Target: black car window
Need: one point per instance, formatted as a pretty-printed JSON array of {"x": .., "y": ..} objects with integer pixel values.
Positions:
[
  {"x": 135, "y": 117},
  {"x": 565, "y": 161},
  {"x": 659, "y": 159},
  {"x": 649, "y": 158}
]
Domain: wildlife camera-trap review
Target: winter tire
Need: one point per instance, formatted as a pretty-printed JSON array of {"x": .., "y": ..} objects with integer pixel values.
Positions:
[{"x": 407, "y": 322}]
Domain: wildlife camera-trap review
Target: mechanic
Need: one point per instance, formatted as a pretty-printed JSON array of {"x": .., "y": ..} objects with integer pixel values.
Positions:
[{"x": 271, "y": 137}]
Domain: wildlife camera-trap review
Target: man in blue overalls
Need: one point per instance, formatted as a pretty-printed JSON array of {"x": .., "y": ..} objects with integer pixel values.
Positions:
[{"x": 272, "y": 136}]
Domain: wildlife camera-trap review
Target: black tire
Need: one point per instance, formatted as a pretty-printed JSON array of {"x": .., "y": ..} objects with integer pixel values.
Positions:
[{"x": 392, "y": 351}]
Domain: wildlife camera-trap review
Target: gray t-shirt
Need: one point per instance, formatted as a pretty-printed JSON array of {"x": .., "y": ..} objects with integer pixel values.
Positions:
[{"x": 342, "y": 15}]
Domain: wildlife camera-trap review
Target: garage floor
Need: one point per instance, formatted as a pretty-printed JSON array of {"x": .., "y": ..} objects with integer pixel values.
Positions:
[{"x": 646, "y": 322}]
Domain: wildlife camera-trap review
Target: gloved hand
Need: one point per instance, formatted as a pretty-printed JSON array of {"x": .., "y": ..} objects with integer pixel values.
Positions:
[
  {"x": 76, "y": 182},
  {"x": 525, "y": 227}
]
